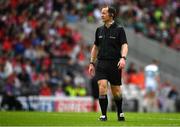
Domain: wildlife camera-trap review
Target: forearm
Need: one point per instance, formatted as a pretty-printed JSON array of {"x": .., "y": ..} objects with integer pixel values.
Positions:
[
  {"x": 94, "y": 53},
  {"x": 124, "y": 50}
]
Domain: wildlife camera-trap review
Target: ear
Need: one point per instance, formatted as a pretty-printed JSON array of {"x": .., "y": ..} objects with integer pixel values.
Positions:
[{"x": 111, "y": 15}]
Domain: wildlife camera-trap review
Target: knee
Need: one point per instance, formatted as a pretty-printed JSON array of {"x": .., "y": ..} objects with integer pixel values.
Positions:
[
  {"x": 102, "y": 89},
  {"x": 117, "y": 93}
]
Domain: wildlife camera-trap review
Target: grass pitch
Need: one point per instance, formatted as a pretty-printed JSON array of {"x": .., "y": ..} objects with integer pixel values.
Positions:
[{"x": 87, "y": 119}]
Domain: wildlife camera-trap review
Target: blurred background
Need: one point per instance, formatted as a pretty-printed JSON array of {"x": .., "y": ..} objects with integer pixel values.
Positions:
[{"x": 45, "y": 51}]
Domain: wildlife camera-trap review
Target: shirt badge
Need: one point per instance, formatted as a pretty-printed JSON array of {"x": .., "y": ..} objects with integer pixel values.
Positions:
[
  {"x": 100, "y": 36},
  {"x": 112, "y": 37}
]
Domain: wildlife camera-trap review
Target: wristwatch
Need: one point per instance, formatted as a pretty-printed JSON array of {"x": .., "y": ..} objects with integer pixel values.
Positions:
[
  {"x": 123, "y": 57},
  {"x": 92, "y": 63}
]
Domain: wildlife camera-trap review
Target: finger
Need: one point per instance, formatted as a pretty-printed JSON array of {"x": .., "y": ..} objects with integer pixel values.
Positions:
[
  {"x": 122, "y": 66},
  {"x": 118, "y": 64},
  {"x": 93, "y": 73},
  {"x": 119, "y": 67},
  {"x": 90, "y": 71}
]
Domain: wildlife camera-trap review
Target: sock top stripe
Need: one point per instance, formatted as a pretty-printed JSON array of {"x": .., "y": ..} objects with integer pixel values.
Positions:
[{"x": 102, "y": 96}]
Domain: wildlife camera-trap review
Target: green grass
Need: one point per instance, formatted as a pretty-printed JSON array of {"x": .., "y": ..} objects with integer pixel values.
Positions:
[{"x": 86, "y": 119}]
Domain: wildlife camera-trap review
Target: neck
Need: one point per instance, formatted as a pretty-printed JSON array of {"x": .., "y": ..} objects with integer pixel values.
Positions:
[{"x": 109, "y": 23}]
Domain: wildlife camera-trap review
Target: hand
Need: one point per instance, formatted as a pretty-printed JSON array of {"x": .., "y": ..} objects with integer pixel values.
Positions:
[
  {"x": 121, "y": 64},
  {"x": 91, "y": 69}
]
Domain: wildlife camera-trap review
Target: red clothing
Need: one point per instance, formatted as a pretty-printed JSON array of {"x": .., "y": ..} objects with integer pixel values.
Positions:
[
  {"x": 45, "y": 91},
  {"x": 160, "y": 3},
  {"x": 47, "y": 62},
  {"x": 63, "y": 31},
  {"x": 140, "y": 80},
  {"x": 34, "y": 23},
  {"x": 81, "y": 56},
  {"x": 176, "y": 42},
  {"x": 7, "y": 45},
  {"x": 14, "y": 3}
]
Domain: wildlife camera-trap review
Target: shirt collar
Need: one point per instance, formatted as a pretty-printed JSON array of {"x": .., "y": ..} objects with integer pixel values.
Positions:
[{"x": 111, "y": 24}]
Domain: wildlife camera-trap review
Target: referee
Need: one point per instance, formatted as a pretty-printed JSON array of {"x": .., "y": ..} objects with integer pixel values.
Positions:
[{"x": 110, "y": 48}]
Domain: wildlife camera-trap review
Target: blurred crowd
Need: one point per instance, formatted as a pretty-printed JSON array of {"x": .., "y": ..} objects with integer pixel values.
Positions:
[
  {"x": 156, "y": 19},
  {"x": 40, "y": 54}
]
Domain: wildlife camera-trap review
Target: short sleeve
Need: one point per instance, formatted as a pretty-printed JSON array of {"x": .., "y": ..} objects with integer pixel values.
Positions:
[
  {"x": 96, "y": 38},
  {"x": 123, "y": 38}
]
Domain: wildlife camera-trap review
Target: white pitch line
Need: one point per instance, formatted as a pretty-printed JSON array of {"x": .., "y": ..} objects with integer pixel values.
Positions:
[{"x": 170, "y": 119}]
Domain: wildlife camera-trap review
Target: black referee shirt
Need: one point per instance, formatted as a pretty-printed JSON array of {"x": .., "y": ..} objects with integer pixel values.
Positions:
[{"x": 109, "y": 41}]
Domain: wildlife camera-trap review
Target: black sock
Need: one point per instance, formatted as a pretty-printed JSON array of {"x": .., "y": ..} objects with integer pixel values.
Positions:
[
  {"x": 103, "y": 101},
  {"x": 118, "y": 101}
]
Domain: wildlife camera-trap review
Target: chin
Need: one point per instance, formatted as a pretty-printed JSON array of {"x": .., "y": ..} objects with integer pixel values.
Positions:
[{"x": 104, "y": 20}]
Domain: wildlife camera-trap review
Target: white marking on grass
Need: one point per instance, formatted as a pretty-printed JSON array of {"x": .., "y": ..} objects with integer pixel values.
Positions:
[{"x": 151, "y": 118}]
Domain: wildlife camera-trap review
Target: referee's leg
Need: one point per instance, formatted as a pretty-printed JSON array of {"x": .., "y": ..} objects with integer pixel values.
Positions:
[
  {"x": 103, "y": 101},
  {"x": 117, "y": 93}
]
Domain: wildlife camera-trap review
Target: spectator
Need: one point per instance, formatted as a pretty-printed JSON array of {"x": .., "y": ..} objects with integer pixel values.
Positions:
[
  {"x": 131, "y": 74},
  {"x": 55, "y": 80},
  {"x": 140, "y": 79},
  {"x": 176, "y": 40},
  {"x": 8, "y": 68},
  {"x": 59, "y": 92},
  {"x": 81, "y": 90},
  {"x": 45, "y": 90},
  {"x": 9, "y": 100},
  {"x": 168, "y": 96}
]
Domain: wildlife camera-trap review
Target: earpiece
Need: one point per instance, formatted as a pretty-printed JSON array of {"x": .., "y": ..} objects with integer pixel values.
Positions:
[
  {"x": 111, "y": 15},
  {"x": 112, "y": 11}
]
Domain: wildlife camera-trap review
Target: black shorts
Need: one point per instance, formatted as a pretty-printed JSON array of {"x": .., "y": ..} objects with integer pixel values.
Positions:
[{"x": 107, "y": 69}]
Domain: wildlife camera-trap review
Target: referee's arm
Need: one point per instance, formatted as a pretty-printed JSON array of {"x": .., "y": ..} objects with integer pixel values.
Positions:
[
  {"x": 124, "y": 51},
  {"x": 94, "y": 53}
]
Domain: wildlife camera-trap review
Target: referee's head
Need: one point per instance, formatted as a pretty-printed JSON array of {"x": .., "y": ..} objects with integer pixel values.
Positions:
[
  {"x": 108, "y": 12},
  {"x": 112, "y": 12}
]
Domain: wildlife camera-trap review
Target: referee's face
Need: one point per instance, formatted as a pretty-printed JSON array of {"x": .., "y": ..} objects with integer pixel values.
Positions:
[{"x": 105, "y": 15}]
